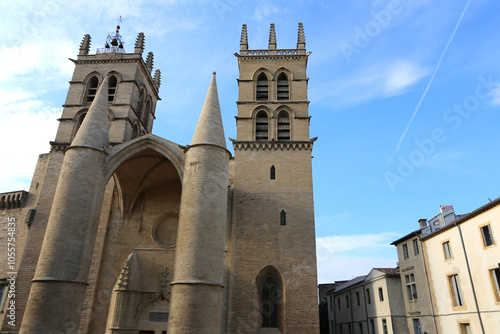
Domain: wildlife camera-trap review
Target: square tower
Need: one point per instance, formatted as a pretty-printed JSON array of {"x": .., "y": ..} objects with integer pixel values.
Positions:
[{"x": 273, "y": 285}]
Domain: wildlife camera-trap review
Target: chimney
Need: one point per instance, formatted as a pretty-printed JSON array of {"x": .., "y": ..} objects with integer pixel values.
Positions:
[{"x": 422, "y": 222}]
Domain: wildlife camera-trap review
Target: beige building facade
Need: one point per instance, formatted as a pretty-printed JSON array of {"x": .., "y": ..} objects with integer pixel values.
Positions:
[
  {"x": 122, "y": 231},
  {"x": 368, "y": 304},
  {"x": 459, "y": 263}
]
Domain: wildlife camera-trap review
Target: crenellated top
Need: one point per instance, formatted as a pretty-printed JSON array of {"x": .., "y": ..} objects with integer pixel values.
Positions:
[{"x": 273, "y": 51}]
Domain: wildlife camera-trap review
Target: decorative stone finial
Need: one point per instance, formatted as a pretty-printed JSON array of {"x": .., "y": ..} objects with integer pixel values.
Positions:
[
  {"x": 244, "y": 38},
  {"x": 157, "y": 78},
  {"x": 139, "y": 43},
  {"x": 301, "y": 39},
  {"x": 272, "y": 38},
  {"x": 149, "y": 62},
  {"x": 85, "y": 46}
]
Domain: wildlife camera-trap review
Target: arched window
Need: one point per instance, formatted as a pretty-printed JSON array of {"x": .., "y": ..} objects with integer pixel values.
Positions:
[
  {"x": 262, "y": 87},
  {"x": 283, "y": 125},
  {"x": 92, "y": 89},
  {"x": 273, "y": 173},
  {"x": 145, "y": 116},
  {"x": 140, "y": 102},
  {"x": 135, "y": 131},
  {"x": 79, "y": 122},
  {"x": 270, "y": 297},
  {"x": 283, "y": 89},
  {"x": 283, "y": 217},
  {"x": 112, "y": 82},
  {"x": 261, "y": 126}
]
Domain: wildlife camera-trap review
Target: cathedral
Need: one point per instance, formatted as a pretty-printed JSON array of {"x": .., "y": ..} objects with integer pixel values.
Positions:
[{"x": 126, "y": 232}]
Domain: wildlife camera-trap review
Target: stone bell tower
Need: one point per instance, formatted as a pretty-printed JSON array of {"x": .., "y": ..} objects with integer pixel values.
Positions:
[
  {"x": 132, "y": 93},
  {"x": 273, "y": 255}
]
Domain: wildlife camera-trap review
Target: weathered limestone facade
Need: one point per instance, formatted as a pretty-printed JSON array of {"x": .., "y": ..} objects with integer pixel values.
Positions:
[{"x": 126, "y": 232}]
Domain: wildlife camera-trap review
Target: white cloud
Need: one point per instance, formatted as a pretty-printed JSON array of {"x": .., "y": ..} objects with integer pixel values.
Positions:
[
  {"x": 343, "y": 243},
  {"x": 31, "y": 125},
  {"x": 401, "y": 75},
  {"x": 332, "y": 267},
  {"x": 495, "y": 96}
]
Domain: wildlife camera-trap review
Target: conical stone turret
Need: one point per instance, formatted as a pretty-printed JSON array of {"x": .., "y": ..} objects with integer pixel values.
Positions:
[
  {"x": 63, "y": 267},
  {"x": 199, "y": 257}
]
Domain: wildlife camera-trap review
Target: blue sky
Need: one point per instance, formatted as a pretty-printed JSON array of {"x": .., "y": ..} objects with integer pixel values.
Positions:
[{"x": 372, "y": 64}]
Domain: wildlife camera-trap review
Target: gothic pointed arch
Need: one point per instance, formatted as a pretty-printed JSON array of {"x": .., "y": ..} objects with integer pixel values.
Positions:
[
  {"x": 140, "y": 101},
  {"x": 283, "y": 125},
  {"x": 78, "y": 120},
  {"x": 271, "y": 289},
  {"x": 282, "y": 87},
  {"x": 91, "y": 88},
  {"x": 112, "y": 87},
  {"x": 147, "y": 112},
  {"x": 262, "y": 87},
  {"x": 261, "y": 125}
]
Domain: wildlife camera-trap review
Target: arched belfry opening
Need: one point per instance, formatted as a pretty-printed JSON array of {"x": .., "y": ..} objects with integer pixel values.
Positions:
[{"x": 262, "y": 88}]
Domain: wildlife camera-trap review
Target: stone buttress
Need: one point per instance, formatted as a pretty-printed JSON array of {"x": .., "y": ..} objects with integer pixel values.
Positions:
[
  {"x": 60, "y": 280},
  {"x": 197, "y": 286}
]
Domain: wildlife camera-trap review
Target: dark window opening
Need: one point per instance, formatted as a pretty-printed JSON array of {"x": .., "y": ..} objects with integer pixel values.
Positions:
[
  {"x": 112, "y": 82},
  {"x": 283, "y": 89},
  {"x": 283, "y": 217},
  {"x": 283, "y": 125},
  {"x": 261, "y": 126},
  {"x": 92, "y": 88},
  {"x": 140, "y": 103},
  {"x": 273, "y": 173},
  {"x": 262, "y": 88},
  {"x": 269, "y": 302}
]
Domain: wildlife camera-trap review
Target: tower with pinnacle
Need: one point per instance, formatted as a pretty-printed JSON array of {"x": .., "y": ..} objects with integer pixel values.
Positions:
[{"x": 273, "y": 258}]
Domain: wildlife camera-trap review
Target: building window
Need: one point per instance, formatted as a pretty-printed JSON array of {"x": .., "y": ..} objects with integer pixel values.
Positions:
[
  {"x": 456, "y": 292},
  {"x": 347, "y": 301},
  {"x": 405, "y": 251},
  {"x": 261, "y": 126},
  {"x": 417, "y": 328},
  {"x": 269, "y": 302},
  {"x": 338, "y": 304},
  {"x": 340, "y": 329},
  {"x": 368, "y": 298},
  {"x": 283, "y": 217},
  {"x": 331, "y": 303},
  {"x": 283, "y": 89},
  {"x": 283, "y": 125},
  {"x": 416, "y": 250},
  {"x": 79, "y": 122},
  {"x": 465, "y": 329},
  {"x": 384, "y": 326},
  {"x": 349, "y": 328},
  {"x": 140, "y": 102},
  {"x": 147, "y": 111},
  {"x": 357, "y": 298},
  {"x": 92, "y": 89},
  {"x": 262, "y": 87},
  {"x": 112, "y": 82},
  {"x": 411, "y": 287},
  {"x": 3, "y": 292},
  {"x": 447, "y": 250},
  {"x": 380, "y": 294},
  {"x": 487, "y": 236},
  {"x": 273, "y": 173},
  {"x": 495, "y": 282},
  {"x": 360, "y": 327},
  {"x": 372, "y": 326}
]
